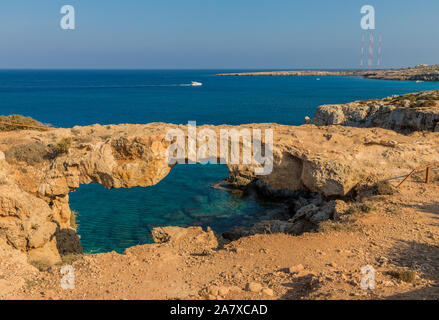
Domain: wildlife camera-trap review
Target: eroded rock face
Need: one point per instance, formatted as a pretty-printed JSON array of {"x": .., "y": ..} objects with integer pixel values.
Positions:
[
  {"x": 14, "y": 269},
  {"x": 34, "y": 188},
  {"x": 25, "y": 223}
]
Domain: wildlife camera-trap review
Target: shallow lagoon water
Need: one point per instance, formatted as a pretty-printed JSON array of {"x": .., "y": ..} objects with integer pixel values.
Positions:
[{"x": 119, "y": 218}]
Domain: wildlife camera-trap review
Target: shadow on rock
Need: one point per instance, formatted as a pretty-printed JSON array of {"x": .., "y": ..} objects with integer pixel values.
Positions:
[
  {"x": 68, "y": 242},
  {"x": 301, "y": 287},
  {"x": 421, "y": 258},
  {"x": 426, "y": 207}
]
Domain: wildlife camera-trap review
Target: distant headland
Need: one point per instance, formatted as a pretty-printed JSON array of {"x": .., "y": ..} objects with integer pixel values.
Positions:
[{"x": 420, "y": 72}]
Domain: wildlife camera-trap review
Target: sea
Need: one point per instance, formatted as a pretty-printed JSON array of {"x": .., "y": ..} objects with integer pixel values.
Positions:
[{"x": 120, "y": 218}]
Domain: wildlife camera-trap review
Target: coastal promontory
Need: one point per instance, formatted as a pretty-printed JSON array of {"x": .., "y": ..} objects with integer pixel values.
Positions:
[{"x": 418, "y": 73}]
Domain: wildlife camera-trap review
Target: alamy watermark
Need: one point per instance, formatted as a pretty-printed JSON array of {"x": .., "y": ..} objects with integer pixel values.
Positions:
[
  {"x": 68, "y": 20},
  {"x": 368, "y": 20},
  {"x": 232, "y": 146},
  {"x": 68, "y": 279},
  {"x": 368, "y": 281},
  {"x": 367, "y": 24}
]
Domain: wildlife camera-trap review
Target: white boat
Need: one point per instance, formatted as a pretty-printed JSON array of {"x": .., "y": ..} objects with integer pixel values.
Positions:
[
  {"x": 196, "y": 84},
  {"x": 419, "y": 81},
  {"x": 318, "y": 79}
]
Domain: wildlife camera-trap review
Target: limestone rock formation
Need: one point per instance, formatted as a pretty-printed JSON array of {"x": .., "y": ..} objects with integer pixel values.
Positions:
[
  {"x": 14, "y": 269},
  {"x": 196, "y": 235},
  {"x": 406, "y": 113},
  {"x": 37, "y": 175},
  {"x": 418, "y": 73},
  {"x": 305, "y": 219}
]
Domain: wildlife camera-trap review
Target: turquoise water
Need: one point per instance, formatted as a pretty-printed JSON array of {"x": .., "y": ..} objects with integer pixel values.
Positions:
[
  {"x": 120, "y": 218},
  {"x": 117, "y": 219}
]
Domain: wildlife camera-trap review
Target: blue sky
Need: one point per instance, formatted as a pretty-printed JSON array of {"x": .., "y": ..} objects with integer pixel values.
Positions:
[{"x": 241, "y": 34}]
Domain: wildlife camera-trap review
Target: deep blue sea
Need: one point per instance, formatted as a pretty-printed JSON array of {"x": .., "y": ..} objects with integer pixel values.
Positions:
[{"x": 120, "y": 218}]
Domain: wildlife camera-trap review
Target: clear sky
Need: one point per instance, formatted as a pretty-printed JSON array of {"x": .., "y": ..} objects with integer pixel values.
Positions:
[{"x": 210, "y": 34}]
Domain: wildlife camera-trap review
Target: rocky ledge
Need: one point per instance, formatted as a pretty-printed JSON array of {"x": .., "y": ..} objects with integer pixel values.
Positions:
[
  {"x": 418, "y": 73},
  {"x": 403, "y": 113}
]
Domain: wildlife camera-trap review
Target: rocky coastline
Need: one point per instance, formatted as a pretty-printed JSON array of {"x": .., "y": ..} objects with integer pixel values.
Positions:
[
  {"x": 324, "y": 174},
  {"x": 328, "y": 161},
  {"x": 402, "y": 113},
  {"x": 418, "y": 73}
]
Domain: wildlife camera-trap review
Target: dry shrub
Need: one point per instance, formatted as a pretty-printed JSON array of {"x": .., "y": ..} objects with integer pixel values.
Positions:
[
  {"x": 403, "y": 275},
  {"x": 30, "y": 153},
  {"x": 20, "y": 120},
  {"x": 41, "y": 264},
  {"x": 343, "y": 226},
  {"x": 360, "y": 207},
  {"x": 384, "y": 188}
]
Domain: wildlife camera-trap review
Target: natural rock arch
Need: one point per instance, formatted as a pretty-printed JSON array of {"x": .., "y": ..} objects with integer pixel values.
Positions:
[{"x": 35, "y": 182}]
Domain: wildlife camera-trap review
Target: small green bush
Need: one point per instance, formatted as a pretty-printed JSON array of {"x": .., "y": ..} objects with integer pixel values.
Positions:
[{"x": 63, "y": 145}]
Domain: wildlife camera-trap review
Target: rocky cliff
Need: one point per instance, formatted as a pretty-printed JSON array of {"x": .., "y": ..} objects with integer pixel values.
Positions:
[
  {"x": 404, "y": 113},
  {"x": 38, "y": 170}
]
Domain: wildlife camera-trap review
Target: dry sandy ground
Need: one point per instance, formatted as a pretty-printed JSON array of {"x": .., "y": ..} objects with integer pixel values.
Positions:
[{"x": 400, "y": 233}]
